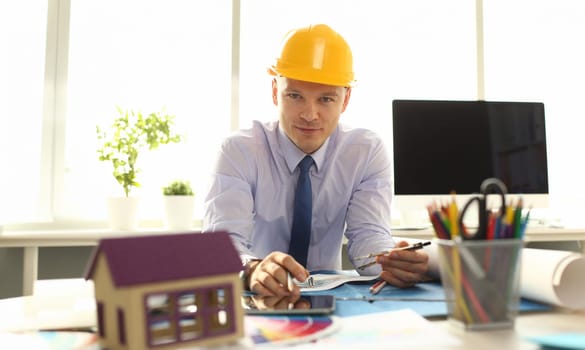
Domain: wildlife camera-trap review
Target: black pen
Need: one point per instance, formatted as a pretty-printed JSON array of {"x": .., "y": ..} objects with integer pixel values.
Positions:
[{"x": 414, "y": 246}]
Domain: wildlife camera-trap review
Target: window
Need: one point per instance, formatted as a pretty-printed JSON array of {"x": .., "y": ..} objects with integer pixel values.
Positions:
[
  {"x": 220, "y": 304},
  {"x": 539, "y": 60},
  {"x": 121, "y": 326},
  {"x": 187, "y": 315},
  {"x": 23, "y": 28},
  {"x": 70, "y": 63},
  {"x": 190, "y": 323},
  {"x": 406, "y": 49},
  {"x": 161, "y": 312},
  {"x": 151, "y": 55},
  {"x": 100, "y": 319}
]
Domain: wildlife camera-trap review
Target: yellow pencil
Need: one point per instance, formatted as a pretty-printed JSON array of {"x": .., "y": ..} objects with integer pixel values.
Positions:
[
  {"x": 510, "y": 214},
  {"x": 453, "y": 215}
]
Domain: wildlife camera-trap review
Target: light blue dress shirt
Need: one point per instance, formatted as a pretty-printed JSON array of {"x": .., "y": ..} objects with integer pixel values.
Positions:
[{"x": 253, "y": 186}]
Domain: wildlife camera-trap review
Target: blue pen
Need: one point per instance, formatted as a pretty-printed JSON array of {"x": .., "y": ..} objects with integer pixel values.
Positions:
[{"x": 498, "y": 233}]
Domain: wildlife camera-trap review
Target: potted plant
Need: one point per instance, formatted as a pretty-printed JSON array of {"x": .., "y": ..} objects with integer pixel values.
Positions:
[
  {"x": 122, "y": 142},
  {"x": 179, "y": 203}
]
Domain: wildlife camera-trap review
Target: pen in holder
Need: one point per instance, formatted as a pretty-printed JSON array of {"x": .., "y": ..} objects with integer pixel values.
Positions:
[{"x": 480, "y": 271}]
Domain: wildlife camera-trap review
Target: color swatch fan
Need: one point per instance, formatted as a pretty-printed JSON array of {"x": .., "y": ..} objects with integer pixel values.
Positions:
[{"x": 291, "y": 329}]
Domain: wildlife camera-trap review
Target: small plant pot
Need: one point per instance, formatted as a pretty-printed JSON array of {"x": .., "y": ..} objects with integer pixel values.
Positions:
[
  {"x": 123, "y": 213},
  {"x": 179, "y": 212}
]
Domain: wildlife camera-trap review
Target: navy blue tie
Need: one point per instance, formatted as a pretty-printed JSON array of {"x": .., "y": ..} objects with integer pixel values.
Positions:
[{"x": 303, "y": 208}]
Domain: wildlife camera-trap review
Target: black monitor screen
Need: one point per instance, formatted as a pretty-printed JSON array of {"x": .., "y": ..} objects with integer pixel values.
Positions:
[{"x": 444, "y": 146}]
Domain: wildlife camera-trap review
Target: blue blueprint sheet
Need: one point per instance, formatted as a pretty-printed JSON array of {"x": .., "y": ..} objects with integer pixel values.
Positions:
[{"x": 427, "y": 299}]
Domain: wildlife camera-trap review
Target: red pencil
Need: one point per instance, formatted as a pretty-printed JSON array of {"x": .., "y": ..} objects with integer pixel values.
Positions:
[{"x": 377, "y": 287}]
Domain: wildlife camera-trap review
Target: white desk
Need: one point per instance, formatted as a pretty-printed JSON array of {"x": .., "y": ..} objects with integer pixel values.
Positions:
[
  {"x": 32, "y": 240},
  {"x": 527, "y": 325}
]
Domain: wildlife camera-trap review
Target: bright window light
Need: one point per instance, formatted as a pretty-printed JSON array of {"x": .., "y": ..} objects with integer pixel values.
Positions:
[
  {"x": 532, "y": 54},
  {"x": 148, "y": 55},
  {"x": 23, "y": 27},
  {"x": 401, "y": 49},
  {"x": 145, "y": 55}
]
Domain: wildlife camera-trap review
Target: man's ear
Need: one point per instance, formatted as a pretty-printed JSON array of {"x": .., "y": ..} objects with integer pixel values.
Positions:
[
  {"x": 274, "y": 92},
  {"x": 346, "y": 100}
]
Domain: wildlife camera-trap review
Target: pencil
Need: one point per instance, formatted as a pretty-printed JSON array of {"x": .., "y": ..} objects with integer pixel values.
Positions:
[
  {"x": 377, "y": 287},
  {"x": 453, "y": 215},
  {"x": 289, "y": 282}
]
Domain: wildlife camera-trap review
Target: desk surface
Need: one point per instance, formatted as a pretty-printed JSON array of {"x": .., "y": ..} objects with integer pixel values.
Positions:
[
  {"x": 527, "y": 325},
  {"x": 69, "y": 303}
]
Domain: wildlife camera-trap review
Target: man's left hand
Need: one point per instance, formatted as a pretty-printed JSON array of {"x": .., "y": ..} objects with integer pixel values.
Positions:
[{"x": 404, "y": 268}]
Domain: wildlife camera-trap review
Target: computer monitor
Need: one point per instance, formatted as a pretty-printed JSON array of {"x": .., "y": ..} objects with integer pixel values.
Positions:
[{"x": 445, "y": 146}]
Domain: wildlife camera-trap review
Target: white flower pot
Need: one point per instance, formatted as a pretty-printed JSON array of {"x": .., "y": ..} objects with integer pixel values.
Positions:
[
  {"x": 123, "y": 213},
  {"x": 179, "y": 212}
]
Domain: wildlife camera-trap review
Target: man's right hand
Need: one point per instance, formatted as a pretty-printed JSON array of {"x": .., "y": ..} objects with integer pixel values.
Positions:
[{"x": 270, "y": 276}]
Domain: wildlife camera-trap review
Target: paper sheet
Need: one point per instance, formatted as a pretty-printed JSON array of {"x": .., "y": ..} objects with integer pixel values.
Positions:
[{"x": 329, "y": 281}]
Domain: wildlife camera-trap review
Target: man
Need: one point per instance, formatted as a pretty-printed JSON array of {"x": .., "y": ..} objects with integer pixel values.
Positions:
[{"x": 253, "y": 193}]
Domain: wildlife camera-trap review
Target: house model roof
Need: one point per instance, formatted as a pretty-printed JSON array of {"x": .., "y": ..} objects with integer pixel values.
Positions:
[{"x": 158, "y": 258}]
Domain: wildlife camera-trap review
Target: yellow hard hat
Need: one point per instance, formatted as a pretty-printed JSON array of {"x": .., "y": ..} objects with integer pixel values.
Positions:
[{"x": 315, "y": 54}]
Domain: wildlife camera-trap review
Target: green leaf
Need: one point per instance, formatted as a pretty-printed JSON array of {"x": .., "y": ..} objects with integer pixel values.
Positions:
[{"x": 129, "y": 134}]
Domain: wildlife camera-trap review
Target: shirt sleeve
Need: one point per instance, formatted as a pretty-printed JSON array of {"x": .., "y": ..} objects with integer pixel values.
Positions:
[
  {"x": 229, "y": 204},
  {"x": 369, "y": 215}
]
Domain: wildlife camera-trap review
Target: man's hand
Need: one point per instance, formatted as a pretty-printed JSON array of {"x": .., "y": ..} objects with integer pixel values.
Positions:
[
  {"x": 271, "y": 276},
  {"x": 404, "y": 268}
]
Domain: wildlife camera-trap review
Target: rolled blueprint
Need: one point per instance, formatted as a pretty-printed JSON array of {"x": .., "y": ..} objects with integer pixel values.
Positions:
[{"x": 554, "y": 277}]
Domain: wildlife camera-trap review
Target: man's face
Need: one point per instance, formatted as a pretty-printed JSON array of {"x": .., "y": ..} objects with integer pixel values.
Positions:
[{"x": 309, "y": 112}]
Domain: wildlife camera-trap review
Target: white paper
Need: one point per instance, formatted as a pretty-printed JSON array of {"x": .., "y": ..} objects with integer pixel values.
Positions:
[
  {"x": 553, "y": 276},
  {"x": 400, "y": 329},
  {"x": 329, "y": 281}
]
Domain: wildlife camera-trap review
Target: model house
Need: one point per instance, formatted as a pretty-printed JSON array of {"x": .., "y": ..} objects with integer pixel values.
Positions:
[{"x": 167, "y": 291}]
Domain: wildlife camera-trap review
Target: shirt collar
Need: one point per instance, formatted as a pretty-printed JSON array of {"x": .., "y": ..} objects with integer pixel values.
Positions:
[{"x": 293, "y": 155}]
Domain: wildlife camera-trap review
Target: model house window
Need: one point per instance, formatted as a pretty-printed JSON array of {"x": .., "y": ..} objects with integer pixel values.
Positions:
[
  {"x": 121, "y": 326},
  {"x": 100, "y": 319},
  {"x": 219, "y": 305},
  {"x": 178, "y": 316},
  {"x": 160, "y": 313},
  {"x": 190, "y": 324}
]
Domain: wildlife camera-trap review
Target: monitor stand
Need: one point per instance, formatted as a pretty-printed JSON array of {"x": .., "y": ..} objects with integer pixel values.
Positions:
[{"x": 413, "y": 219}]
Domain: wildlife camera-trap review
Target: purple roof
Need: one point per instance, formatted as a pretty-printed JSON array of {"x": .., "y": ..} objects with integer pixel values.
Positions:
[{"x": 166, "y": 257}]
